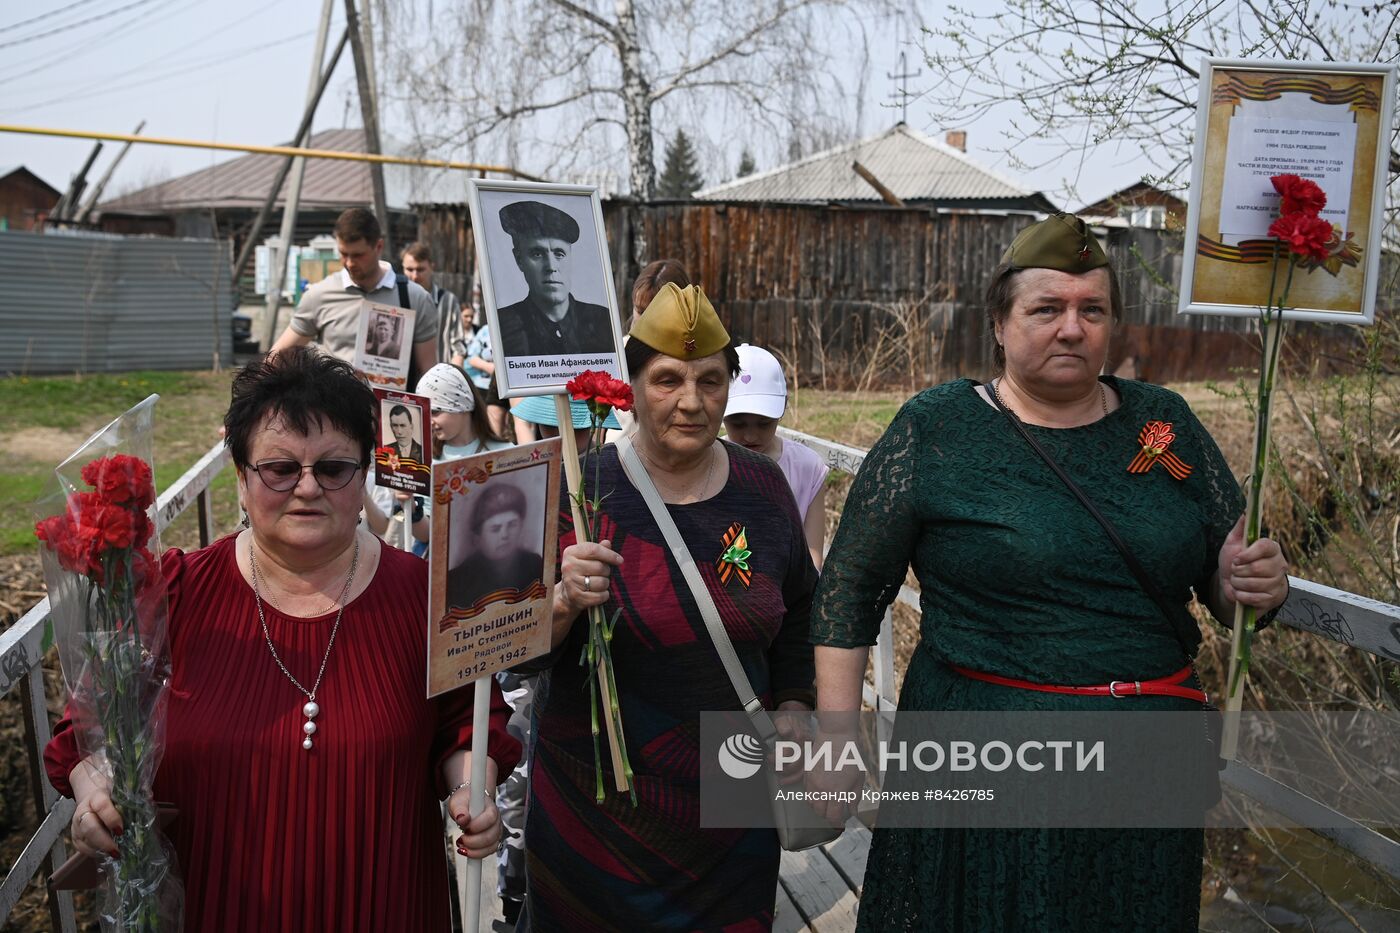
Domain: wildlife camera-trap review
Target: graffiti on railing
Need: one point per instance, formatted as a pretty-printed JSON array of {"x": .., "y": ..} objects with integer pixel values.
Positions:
[
  {"x": 172, "y": 509},
  {"x": 846, "y": 461},
  {"x": 15, "y": 667},
  {"x": 1323, "y": 621},
  {"x": 1395, "y": 637}
]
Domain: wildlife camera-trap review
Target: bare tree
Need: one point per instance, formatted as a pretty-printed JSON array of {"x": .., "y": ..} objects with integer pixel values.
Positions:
[
  {"x": 567, "y": 77},
  {"x": 1079, "y": 73}
]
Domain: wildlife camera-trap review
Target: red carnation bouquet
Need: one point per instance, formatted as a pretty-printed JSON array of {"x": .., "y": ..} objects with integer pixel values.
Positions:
[
  {"x": 108, "y": 604},
  {"x": 1302, "y": 240},
  {"x": 602, "y": 393}
]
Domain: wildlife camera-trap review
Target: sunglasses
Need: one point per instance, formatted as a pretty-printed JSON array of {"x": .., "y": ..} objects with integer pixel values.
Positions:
[{"x": 283, "y": 475}]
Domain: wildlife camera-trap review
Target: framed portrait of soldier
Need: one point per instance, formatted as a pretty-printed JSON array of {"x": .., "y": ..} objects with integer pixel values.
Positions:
[
  {"x": 403, "y": 455},
  {"x": 491, "y": 564},
  {"x": 384, "y": 344},
  {"x": 547, "y": 284}
]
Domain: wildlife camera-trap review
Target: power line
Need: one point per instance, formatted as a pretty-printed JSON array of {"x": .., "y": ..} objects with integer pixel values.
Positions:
[
  {"x": 35, "y": 64},
  {"x": 203, "y": 65},
  {"x": 48, "y": 15},
  {"x": 84, "y": 85},
  {"x": 82, "y": 22}
]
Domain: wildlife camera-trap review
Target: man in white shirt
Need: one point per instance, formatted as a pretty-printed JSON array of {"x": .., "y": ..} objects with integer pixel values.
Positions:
[{"x": 329, "y": 312}]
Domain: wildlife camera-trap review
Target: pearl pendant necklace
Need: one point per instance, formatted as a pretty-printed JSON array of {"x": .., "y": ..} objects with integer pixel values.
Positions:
[
  {"x": 310, "y": 709},
  {"x": 309, "y": 727}
]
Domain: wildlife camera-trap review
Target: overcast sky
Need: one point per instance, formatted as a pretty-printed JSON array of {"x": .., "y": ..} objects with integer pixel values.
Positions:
[{"x": 210, "y": 70}]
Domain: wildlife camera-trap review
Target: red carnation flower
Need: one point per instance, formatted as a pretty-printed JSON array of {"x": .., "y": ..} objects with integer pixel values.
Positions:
[
  {"x": 59, "y": 532},
  {"x": 80, "y": 550},
  {"x": 1304, "y": 234},
  {"x": 1299, "y": 194},
  {"x": 601, "y": 391},
  {"x": 114, "y": 526},
  {"x": 121, "y": 479}
]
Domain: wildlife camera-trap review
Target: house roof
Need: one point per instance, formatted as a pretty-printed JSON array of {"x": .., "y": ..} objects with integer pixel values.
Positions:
[
  {"x": 912, "y": 165},
  {"x": 329, "y": 184},
  {"x": 1135, "y": 195},
  {"x": 7, "y": 170}
]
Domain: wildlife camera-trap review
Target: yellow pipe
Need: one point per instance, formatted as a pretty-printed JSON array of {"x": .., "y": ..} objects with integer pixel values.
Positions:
[{"x": 268, "y": 150}]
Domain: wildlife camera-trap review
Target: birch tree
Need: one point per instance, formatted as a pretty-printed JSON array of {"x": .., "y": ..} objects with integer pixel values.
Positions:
[{"x": 571, "y": 77}]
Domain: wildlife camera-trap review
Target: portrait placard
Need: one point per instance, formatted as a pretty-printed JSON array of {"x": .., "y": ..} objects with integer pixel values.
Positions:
[
  {"x": 403, "y": 457},
  {"x": 384, "y": 344},
  {"x": 547, "y": 284},
  {"x": 491, "y": 565},
  {"x": 1328, "y": 122}
]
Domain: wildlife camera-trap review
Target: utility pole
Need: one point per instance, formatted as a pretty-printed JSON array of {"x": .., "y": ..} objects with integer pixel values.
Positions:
[
  {"x": 68, "y": 204},
  {"x": 106, "y": 177},
  {"x": 371, "y": 119},
  {"x": 250, "y": 242},
  {"x": 901, "y": 95},
  {"x": 371, "y": 62},
  {"x": 277, "y": 268}
]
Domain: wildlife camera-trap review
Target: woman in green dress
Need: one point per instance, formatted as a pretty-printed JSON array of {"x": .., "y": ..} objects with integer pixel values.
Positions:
[{"x": 1019, "y": 581}]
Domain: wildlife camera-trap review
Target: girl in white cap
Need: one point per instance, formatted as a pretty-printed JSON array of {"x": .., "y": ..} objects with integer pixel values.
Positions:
[
  {"x": 460, "y": 425},
  {"x": 757, "y": 400},
  {"x": 460, "y": 429}
]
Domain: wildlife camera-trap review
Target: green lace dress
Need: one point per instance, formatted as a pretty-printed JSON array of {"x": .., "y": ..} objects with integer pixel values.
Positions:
[{"x": 1017, "y": 579}]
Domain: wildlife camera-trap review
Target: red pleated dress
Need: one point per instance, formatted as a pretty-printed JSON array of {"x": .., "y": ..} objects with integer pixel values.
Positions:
[{"x": 272, "y": 837}]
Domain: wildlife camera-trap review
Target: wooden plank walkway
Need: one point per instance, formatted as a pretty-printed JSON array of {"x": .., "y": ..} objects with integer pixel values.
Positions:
[{"x": 819, "y": 889}]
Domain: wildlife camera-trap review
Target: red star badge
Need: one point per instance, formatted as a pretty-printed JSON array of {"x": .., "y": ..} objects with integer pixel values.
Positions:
[
  {"x": 535, "y": 454},
  {"x": 690, "y": 344},
  {"x": 1084, "y": 253}
]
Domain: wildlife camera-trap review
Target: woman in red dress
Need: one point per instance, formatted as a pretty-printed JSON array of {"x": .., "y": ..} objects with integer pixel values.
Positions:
[{"x": 303, "y": 758}]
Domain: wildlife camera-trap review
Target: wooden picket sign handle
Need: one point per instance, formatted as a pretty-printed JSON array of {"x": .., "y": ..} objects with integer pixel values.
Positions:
[{"x": 575, "y": 481}]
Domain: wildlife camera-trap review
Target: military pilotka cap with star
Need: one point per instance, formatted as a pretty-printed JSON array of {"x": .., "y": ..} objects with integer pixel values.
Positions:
[
  {"x": 681, "y": 322},
  {"x": 535, "y": 220},
  {"x": 1062, "y": 241}
]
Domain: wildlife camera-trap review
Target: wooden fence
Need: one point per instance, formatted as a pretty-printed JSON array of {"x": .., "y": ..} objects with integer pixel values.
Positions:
[{"x": 885, "y": 295}]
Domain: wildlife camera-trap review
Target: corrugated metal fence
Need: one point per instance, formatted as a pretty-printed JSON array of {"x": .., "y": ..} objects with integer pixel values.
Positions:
[
  {"x": 95, "y": 303},
  {"x": 887, "y": 295}
]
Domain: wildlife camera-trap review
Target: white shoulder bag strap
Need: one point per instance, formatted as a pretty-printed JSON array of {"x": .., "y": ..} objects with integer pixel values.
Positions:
[{"x": 636, "y": 472}]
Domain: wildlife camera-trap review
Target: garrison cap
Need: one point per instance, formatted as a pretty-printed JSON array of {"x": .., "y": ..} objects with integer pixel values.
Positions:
[
  {"x": 681, "y": 323},
  {"x": 495, "y": 499},
  {"x": 1061, "y": 241},
  {"x": 536, "y": 220}
]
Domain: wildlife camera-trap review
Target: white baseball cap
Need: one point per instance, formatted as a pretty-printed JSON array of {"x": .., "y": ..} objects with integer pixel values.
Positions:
[{"x": 760, "y": 388}]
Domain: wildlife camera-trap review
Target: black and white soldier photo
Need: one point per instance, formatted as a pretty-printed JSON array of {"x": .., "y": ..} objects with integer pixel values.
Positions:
[{"x": 547, "y": 284}]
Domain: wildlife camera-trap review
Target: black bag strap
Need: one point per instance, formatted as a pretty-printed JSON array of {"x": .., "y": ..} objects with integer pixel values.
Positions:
[
  {"x": 414, "y": 373},
  {"x": 1139, "y": 572}
]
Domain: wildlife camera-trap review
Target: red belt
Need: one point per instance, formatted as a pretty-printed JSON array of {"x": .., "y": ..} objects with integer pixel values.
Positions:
[{"x": 1169, "y": 686}]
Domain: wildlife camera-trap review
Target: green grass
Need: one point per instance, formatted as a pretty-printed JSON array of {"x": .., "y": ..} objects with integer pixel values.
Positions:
[
  {"x": 857, "y": 419},
  {"x": 71, "y": 402},
  {"x": 16, "y": 525},
  {"x": 53, "y": 415}
]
